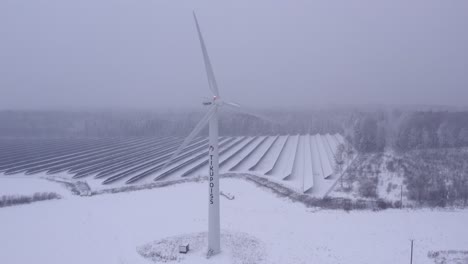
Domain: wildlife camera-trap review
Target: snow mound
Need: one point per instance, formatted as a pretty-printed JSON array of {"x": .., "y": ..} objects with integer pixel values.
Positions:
[{"x": 236, "y": 248}]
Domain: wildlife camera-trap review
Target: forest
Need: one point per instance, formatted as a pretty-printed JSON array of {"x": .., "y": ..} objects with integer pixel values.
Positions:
[
  {"x": 369, "y": 130},
  {"x": 404, "y": 131},
  {"x": 133, "y": 123}
]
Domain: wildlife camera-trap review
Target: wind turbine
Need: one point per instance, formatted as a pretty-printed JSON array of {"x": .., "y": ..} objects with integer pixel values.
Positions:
[{"x": 211, "y": 118}]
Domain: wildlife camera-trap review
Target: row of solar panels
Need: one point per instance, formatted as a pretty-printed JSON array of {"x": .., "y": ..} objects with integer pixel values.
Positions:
[{"x": 141, "y": 159}]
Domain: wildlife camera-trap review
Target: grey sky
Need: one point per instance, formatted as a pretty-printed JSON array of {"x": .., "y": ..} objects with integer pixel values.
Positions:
[{"x": 145, "y": 54}]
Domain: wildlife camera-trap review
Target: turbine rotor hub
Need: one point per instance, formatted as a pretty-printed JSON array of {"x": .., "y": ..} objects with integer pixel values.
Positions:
[{"x": 215, "y": 100}]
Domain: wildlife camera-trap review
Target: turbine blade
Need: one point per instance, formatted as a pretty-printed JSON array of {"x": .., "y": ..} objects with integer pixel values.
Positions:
[
  {"x": 209, "y": 70},
  {"x": 237, "y": 108},
  {"x": 233, "y": 104},
  {"x": 206, "y": 118}
]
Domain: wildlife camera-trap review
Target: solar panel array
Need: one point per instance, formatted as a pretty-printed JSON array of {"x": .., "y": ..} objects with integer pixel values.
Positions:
[{"x": 301, "y": 160}]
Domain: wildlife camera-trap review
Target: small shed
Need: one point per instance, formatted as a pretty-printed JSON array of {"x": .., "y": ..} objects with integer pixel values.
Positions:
[{"x": 184, "y": 248}]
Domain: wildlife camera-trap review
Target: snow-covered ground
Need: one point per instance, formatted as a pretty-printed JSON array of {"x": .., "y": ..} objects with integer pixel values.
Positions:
[
  {"x": 28, "y": 185},
  {"x": 109, "y": 228}
]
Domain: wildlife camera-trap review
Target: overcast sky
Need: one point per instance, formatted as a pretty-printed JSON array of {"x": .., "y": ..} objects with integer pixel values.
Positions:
[{"x": 145, "y": 53}]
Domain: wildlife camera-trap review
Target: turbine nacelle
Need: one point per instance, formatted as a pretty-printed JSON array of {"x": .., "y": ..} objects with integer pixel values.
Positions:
[{"x": 216, "y": 100}]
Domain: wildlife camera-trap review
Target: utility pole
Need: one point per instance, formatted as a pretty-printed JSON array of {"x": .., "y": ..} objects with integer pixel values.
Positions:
[
  {"x": 411, "y": 260},
  {"x": 401, "y": 196}
]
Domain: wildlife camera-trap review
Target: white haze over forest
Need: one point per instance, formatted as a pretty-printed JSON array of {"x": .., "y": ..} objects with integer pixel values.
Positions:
[{"x": 145, "y": 54}]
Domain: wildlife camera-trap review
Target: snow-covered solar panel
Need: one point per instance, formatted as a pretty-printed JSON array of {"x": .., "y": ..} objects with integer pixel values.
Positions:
[{"x": 302, "y": 162}]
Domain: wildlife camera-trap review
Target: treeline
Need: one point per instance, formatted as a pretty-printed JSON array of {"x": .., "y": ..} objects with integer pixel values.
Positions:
[
  {"x": 151, "y": 123},
  {"x": 433, "y": 130},
  {"x": 403, "y": 131},
  {"x": 11, "y": 200},
  {"x": 370, "y": 130}
]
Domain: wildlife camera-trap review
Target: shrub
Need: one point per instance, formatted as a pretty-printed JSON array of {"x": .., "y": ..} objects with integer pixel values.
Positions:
[
  {"x": 382, "y": 204},
  {"x": 397, "y": 204},
  {"x": 347, "y": 205},
  {"x": 391, "y": 166},
  {"x": 368, "y": 187},
  {"x": 389, "y": 187},
  {"x": 10, "y": 200}
]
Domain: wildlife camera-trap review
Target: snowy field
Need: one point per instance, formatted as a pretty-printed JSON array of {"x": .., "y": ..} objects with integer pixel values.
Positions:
[
  {"x": 109, "y": 228},
  {"x": 16, "y": 185}
]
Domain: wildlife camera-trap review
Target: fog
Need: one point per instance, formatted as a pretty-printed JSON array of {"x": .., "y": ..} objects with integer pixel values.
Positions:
[{"x": 145, "y": 54}]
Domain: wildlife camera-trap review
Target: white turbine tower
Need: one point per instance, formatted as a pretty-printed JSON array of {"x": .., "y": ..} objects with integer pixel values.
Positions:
[{"x": 210, "y": 117}]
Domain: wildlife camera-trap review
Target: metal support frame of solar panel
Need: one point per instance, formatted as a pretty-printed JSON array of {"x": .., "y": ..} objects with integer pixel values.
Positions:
[
  {"x": 316, "y": 162},
  {"x": 92, "y": 157},
  {"x": 223, "y": 162},
  {"x": 151, "y": 158},
  {"x": 128, "y": 159},
  {"x": 44, "y": 165},
  {"x": 290, "y": 169},
  {"x": 321, "y": 156},
  {"x": 20, "y": 146},
  {"x": 44, "y": 154},
  {"x": 190, "y": 161},
  {"x": 147, "y": 165},
  {"x": 47, "y": 153},
  {"x": 262, "y": 157},
  {"x": 246, "y": 157},
  {"x": 275, "y": 164},
  {"x": 65, "y": 145},
  {"x": 184, "y": 154},
  {"x": 106, "y": 156},
  {"x": 150, "y": 148},
  {"x": 328, "y": 150},
  {"x": 221, "y": 151},
  {"x": 17, "y": 146},
  {"x": 309, "y": 180},
  {"x": 27, "y": 164}
]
